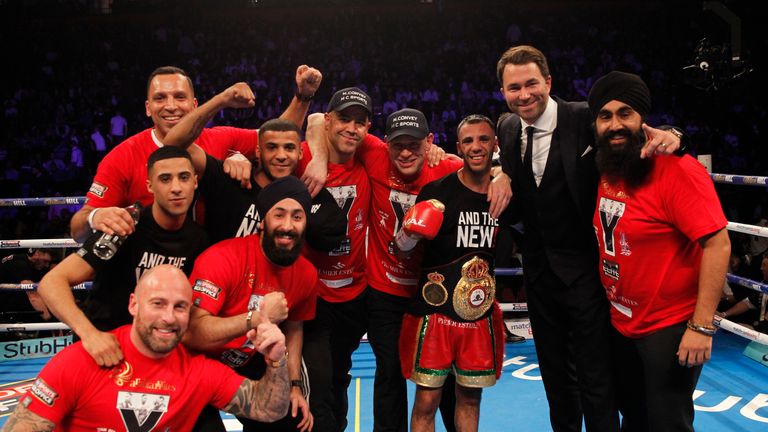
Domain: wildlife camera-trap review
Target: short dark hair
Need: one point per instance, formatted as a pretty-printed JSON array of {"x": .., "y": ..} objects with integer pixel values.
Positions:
[
  {"x": 473, "y": 119},
  {"x": 167, "y": 152},
  {"x": 278, "y": 125},
  {"x": 170, "y": 70},
  {"x": 520, "y": 55}
]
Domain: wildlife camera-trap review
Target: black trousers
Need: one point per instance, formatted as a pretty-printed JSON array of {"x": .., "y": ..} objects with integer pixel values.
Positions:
[
  {"x": 329, "y": 341},
  {"x": 655, "y": 393},
  {"x": 572, "y": 334},
  {"x": 390, "y": 396}
]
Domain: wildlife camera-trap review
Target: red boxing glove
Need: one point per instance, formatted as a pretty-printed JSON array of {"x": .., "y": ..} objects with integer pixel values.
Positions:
[{"x": 423, "y": 220}]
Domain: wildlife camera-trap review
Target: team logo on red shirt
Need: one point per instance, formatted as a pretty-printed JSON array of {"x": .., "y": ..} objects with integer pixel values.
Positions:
[
  {"x": 41, "y": 390},
  {"x": 141, "y": 411},
  {"x": 98, "y": 189},
  {"x": 207, "y": 287}
]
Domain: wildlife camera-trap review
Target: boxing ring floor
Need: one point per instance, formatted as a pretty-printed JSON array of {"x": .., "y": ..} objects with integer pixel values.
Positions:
[{"x": 732, "y": 394}]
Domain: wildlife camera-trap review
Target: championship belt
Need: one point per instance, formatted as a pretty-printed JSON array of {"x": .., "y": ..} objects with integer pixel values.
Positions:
[
  {"x": 475, "y": 291},
  {"x": 434, "y": 291}
]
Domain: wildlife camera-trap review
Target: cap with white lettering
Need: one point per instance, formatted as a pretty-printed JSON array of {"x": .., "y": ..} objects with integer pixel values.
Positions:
[
  {"x": 407, "y": 121},
  {"x": 348, "y": 97}
]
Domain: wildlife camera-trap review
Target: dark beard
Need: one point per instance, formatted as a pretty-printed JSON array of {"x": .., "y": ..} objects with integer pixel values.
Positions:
[
  {"x": 155, "y": 345},
  {"x": 277, "y": 255},
  {"x": 622, "y": 162}
]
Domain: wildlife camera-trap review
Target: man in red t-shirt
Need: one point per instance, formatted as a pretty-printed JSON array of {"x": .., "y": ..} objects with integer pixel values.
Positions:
[
  {"x": 121, "y": 176},
  {"x": 237, "y": 280},
  {"x": 664, "y": 252},
  {"x": 159, "y": 385},
  {"x": 398, "y": 169},
  {"x": 341, "y": 307}
]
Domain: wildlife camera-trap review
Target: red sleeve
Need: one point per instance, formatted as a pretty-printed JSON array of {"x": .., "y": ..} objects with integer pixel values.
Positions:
[
  {"x": 305, "y": 158},
  {"x": 221, "y": 380},
  {"x": 371, "y": 148},
  {"x": 221, "y": 141},
  {"x": 53, "y": 395},
  {"x": 211, "y": 278},
  {"x": 111, "y": 180},
  {"x": 304, "y": 310},
  {"x": 690, "y": 200}
]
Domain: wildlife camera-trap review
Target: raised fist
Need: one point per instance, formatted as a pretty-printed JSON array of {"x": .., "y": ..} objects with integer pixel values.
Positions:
[
  {"x": 307, "y": 81},
  {"x": 239, "y": 96}
]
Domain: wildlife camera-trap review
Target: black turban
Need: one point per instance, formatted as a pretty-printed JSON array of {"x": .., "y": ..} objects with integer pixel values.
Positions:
[
  {"x": 621, "y": 86},
  {"x": 286, "y": 187}
]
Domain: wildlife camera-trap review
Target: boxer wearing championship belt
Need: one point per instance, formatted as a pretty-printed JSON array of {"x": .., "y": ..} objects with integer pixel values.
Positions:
[
  {"x": 453, "y": 324},
  {"x": 475, "y": 291},
  {"x": 462, "y": 290}
]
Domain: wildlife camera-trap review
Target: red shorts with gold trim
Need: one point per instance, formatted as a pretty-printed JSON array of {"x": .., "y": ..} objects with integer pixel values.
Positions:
[{"x": 434, "y": 345}]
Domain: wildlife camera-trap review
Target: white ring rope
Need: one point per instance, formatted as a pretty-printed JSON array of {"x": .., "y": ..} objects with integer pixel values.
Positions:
[
  {"x": 745, "y": 332},
  {"x": 739, "y": 179},
  {"x": 28, "y": 327},
  {"x": 40, "y": 202},
  {"x": 33, "y": 286},
  {"x": 748, "y": 283},
  {"x": 39, "y": 243},
  {"x": 748, "y": 229}
]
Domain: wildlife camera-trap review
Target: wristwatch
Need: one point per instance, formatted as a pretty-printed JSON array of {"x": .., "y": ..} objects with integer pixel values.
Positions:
[
  {"x": 303, "y": 98},
  {"x": 676, "y": 133},
  {"x": 296, "y": 383},
  {"x": 682, "y": 150}
]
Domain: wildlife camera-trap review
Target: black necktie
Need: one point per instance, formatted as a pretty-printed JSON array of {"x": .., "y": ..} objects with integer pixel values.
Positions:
[{"x": 528, "y": 156}]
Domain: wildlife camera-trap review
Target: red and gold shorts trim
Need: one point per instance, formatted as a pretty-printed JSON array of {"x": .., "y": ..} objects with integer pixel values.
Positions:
[{"x": 435, "y": 345}]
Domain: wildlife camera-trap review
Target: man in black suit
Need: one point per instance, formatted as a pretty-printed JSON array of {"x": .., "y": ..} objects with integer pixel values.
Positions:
[{"x": 547, "y": 150}]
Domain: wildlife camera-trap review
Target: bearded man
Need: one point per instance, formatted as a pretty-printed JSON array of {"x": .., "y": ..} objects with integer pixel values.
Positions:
[
  {"x": 237, "y": 281},
  {"x": 663, "y": 256}
]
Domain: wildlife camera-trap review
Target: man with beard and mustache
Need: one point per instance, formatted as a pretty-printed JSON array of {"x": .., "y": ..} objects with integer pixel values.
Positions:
[
  {"x": 664, "y": 252},
  {"x": 547, "y": 150},
  {"x": 453, "y": 323},
  {"x": 236, "y": 281},
  {"x": 76, "y": 394},
  {"x": 164, "y": 235}
]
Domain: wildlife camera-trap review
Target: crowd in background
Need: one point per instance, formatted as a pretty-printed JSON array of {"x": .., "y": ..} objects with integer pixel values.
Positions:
[{"x": 75, "y": 75}]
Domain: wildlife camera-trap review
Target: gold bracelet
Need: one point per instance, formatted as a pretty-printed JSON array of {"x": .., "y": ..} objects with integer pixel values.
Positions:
[
  {"x": 279, "y": 363},
  {"x": 705, "y": 330},
  {"x": 249, "y": 320}
]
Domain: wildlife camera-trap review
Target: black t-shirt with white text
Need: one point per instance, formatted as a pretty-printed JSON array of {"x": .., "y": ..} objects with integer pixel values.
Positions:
[
  {"x": 467, "y": 228},
  {"x": 149, "y": 246}
]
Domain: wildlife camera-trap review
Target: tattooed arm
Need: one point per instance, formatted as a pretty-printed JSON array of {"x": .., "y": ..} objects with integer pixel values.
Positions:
[
  {"x": 266, "y": 399},
  {"x": 24, "y": 420}
]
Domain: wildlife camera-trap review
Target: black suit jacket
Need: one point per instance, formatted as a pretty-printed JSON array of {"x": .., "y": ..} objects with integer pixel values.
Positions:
[
  {"x": 575, "y": 139},
  {"x": 575, "y": 135}
]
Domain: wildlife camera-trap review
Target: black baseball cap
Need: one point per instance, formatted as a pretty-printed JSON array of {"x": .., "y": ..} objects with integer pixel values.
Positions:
[
  {"x": 348, "y": 97},
  {"x": 407, "y": 121}
]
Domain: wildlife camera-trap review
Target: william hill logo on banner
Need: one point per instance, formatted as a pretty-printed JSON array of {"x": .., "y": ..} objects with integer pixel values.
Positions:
[{"x": 33, "y": 348}]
